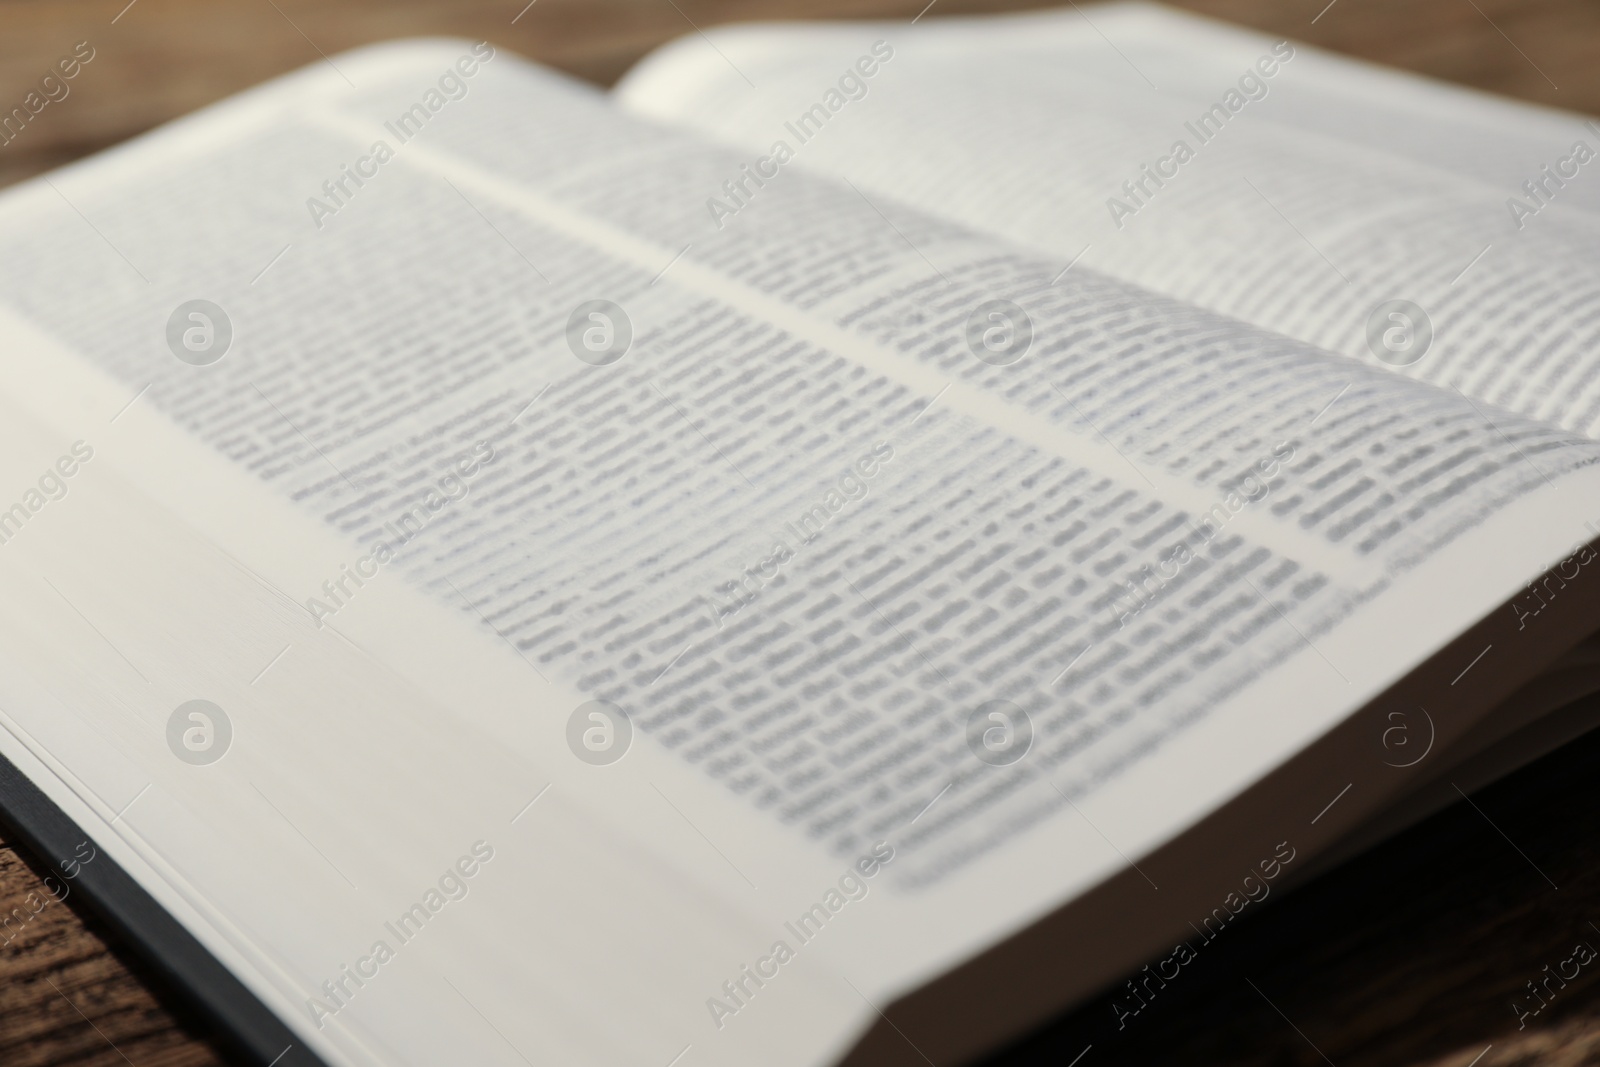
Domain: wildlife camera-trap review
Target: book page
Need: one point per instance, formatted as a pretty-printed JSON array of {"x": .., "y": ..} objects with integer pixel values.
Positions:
[
  {"x": 1308, "y": 194},
  {"x": 902, "y": 575},
  {"x": 378, "y": 866}
]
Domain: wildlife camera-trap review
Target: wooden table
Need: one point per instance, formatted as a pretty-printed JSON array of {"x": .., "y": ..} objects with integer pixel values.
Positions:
[{"x": 1408, "y": 956}]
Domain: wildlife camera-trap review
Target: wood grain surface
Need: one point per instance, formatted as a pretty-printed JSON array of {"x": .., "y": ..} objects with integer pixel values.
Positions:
[{"x": 1408, "y": 957}]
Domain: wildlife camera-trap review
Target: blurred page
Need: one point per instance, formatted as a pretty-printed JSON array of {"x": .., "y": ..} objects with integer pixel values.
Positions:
[{"x": 1444, "y": 233}]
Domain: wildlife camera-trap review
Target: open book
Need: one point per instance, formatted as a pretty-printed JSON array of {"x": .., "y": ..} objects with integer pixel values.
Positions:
[{"x": 834, "y": 552}]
